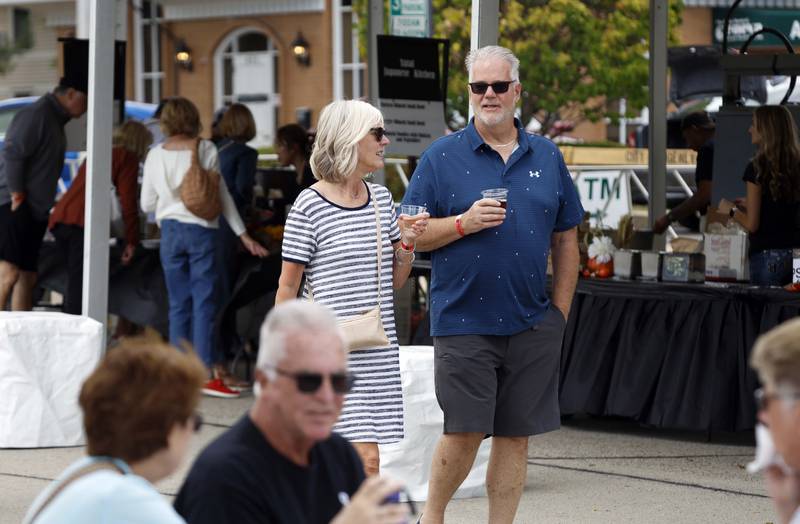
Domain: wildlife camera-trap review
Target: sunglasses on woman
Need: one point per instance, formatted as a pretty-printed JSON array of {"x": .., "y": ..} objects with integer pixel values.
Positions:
[
  {"x": 479, "y": 88},
  {"x": 378, "y": 133},
  {"x": 308, "y": 382}
]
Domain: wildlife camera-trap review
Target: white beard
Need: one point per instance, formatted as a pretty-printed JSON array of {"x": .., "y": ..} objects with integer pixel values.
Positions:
[{"x": 495, "y": 119}]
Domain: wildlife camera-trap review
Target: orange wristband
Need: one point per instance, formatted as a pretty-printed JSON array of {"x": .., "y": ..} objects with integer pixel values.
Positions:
[{"x": 459, "y": 227}]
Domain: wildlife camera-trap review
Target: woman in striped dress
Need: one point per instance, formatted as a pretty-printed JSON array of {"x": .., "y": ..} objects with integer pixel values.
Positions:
[{"x": 330, "y": 236}]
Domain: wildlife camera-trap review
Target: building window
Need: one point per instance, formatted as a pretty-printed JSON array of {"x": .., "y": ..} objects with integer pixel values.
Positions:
[
  {"x": 349, "y": 75},
  {"x": 246, "y": 72},
  {"x": 244, "y": 53},
  {"x": 149, "y": 75},
  {"x": 22, "y": 31}
]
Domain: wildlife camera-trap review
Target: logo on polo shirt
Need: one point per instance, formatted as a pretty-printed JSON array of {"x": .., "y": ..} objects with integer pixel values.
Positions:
[{"x": 536, "y": 173}]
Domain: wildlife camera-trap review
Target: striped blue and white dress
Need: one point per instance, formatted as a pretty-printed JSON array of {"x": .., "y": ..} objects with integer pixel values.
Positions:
[{"x": 337, "y": 246}]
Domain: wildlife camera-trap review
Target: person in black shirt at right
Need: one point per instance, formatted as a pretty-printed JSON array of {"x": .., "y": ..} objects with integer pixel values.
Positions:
[
  {"x": 771, "y": 210},
  {"x": 698, "y": 132}
]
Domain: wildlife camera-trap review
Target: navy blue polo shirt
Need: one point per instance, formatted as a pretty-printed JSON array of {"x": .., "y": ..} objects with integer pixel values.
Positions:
[{"x": 493, "y": 282}]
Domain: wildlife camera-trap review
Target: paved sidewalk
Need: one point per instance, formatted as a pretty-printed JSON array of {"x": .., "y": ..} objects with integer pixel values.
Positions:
[{"x": 591, "y": 471}]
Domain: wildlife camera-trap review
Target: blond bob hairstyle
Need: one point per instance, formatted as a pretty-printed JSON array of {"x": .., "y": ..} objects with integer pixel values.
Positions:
[
  {"x": 238, "y": 124},
  {"x": 776, "y": 355},
  {"x": 180, "y": 117},
  {"x": 134, "y": 137},
  {"x": 341, "y": 126}
]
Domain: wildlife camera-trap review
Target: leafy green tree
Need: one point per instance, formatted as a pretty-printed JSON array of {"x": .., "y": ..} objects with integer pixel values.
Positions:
[
  {"x": 7, "y": 51},
  {"x": 577, "y": 57}
]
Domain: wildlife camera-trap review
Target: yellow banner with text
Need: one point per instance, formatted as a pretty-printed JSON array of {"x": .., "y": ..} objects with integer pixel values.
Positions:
[{"x": 608, "y": 156}]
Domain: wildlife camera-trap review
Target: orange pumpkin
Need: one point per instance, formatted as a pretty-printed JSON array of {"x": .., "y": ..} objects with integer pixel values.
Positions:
[
  {"x": 604, "y": 271},
  {"x": 600, "y": 269}
]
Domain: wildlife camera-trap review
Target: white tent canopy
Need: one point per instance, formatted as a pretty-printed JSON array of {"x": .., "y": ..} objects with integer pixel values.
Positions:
[{"x": 106, "y": 21}]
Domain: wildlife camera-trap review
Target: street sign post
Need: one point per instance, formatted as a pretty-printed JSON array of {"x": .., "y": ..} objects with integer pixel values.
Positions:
[{"x": 410, "y": 18}]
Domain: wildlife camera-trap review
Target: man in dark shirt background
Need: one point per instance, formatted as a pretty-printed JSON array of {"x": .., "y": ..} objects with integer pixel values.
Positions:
[
  {"x": 698, "y": 131},
  {"x": 281, "y": 463},
  {"x": 30, "y": 164}
]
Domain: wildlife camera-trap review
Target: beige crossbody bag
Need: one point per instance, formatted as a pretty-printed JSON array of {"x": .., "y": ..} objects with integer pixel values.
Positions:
[{"x": 365, "y": 330}]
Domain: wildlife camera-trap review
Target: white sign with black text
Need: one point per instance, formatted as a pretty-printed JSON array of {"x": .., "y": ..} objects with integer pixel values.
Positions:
[
  {"x": 606, "y": 195},
  {"x": 410, "y": 124},
  {"x": 410, "y": 92}
]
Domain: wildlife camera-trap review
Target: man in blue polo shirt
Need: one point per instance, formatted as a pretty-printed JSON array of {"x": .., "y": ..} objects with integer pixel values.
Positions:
[{"x": 497, "y": 335}]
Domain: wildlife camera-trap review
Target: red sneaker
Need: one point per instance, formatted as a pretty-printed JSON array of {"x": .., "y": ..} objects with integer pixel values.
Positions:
[
  {"x": 230, "y": 380},
  {"x": 217, "y": 388}
]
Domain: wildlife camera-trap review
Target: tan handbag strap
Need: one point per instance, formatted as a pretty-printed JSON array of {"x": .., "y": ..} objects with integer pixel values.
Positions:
[
  {"x": 378, "y": 238},
  {"x": 82, "y": 472},
  {"x": 196, "y": 152}
]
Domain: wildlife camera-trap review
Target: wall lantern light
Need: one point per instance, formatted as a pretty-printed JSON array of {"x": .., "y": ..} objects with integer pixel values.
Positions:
[
  {"x": 300, "y": 49},
  {"x": 183, "y": 55}
]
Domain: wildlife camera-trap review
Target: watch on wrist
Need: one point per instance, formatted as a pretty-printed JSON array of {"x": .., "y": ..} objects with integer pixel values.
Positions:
[{"x": 732, "y": 212}]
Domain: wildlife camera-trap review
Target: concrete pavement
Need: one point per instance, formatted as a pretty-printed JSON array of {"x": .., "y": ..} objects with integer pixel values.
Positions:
[{"x": 591, "y": 471}]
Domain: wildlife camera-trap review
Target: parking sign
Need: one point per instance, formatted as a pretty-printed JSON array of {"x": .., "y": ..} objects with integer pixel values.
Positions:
[{"x": 410, "y": 18}]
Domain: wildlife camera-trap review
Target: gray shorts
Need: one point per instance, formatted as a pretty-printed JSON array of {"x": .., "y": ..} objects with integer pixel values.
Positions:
[{"x": 501, "y": 385}]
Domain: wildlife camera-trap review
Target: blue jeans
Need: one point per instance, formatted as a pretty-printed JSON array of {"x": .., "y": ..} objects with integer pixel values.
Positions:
[
  {"x": 771, "y": 267},
  {"x": 188, "y": 258}
]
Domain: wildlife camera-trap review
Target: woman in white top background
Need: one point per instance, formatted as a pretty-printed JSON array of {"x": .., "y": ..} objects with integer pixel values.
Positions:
[{"x": 187, "y": 241}]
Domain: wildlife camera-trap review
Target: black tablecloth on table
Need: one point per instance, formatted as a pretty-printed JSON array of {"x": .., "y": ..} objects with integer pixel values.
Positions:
[
  {"x": 668, "y": 355},
  {"x": 138, "y": 291}
]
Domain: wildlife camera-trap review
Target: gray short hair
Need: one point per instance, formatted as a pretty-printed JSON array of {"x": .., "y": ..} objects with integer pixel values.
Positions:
[
  {"x": 341, "y": 126},
  {"x": 288, "y": 318},
  {"x": 492, "y": 52}
]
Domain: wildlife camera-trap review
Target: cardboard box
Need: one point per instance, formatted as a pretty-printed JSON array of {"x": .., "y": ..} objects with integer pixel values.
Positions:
[
  {"x": 726, "y": 249},
  {"x": 727, "y": 257}
]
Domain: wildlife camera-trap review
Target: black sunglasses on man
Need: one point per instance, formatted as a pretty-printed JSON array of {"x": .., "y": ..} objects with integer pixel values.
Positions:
[
  {"x": 308, "y": 382},
  {"x": 480, "y": 88}
]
